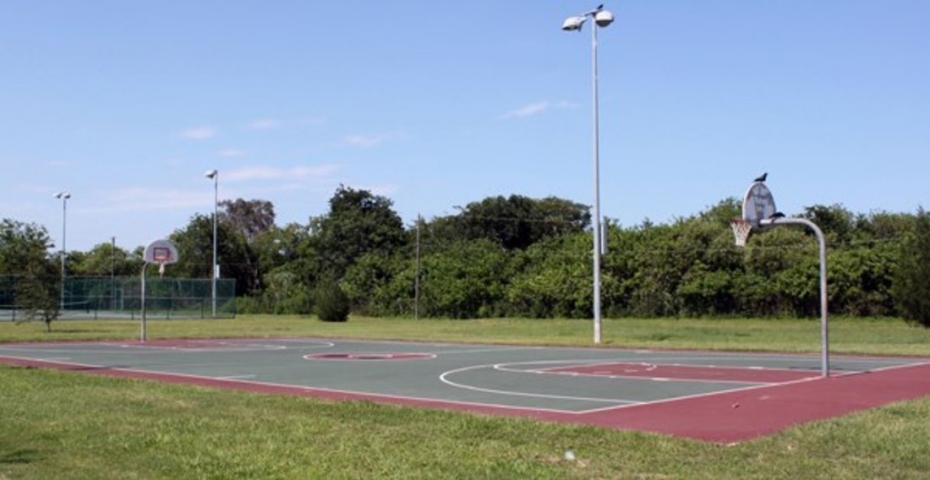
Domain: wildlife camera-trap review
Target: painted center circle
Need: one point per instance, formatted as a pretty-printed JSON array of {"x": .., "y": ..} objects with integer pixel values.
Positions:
[{"x": 370, "y": 356}]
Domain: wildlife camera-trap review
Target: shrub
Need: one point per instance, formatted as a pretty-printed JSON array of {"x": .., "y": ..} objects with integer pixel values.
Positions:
[
  {"x": 332, "y": 304},
  {"x": 911, "y": 287}
]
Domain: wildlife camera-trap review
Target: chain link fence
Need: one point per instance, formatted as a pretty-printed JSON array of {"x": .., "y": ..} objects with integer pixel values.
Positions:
[{"x": 121, "y": 298}]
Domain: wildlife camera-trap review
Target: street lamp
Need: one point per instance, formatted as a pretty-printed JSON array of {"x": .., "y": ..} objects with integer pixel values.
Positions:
[
  {"x": 215, "y": 176},
  {"x": 64, "y": 196},
  {"x": 602, "y": 18}
]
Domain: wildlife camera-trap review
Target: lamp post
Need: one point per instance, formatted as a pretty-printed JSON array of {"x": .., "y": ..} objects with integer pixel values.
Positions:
[
  {"x": 602, "y": 18},
  {"x": 215, "y": 176},
  {"x": 64, "y": 196}
]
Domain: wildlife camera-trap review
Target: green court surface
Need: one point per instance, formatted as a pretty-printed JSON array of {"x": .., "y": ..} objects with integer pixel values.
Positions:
[{"x": 571, "y": 381}]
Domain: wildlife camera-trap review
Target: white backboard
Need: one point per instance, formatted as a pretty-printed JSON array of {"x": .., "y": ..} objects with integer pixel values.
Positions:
[
  {"x": 162, "y": 252},
  {"x": 758, "y": 204}
]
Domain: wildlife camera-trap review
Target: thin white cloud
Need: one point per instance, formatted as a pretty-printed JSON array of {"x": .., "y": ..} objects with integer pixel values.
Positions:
[
  {"x": 199, "y": 133},
  {"x": 527, "y": 110},
  {"x": 537, "y": 108},
  {"x": 144, "y": 198},
  {"x": 276, "y": 173},
  {"x": 567, "y": 104},
  {"x": 270, "y": 180},
  {"x": 264, "y": 124},
  {"x": 232, "y": 153}
]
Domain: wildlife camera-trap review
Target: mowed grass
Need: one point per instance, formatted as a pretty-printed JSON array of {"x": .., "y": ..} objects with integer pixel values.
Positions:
[
  {"x": 57, "y": 424},
  {"x": 865, "y": 336}
]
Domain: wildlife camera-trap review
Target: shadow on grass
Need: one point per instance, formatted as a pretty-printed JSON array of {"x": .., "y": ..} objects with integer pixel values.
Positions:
[
  {"x": 20, "y": 457},
  {"x": 73, "y": 330}
]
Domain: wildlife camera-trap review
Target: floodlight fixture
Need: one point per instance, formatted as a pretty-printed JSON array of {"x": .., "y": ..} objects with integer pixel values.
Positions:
[
  {"x": 574, "y": 24},
  {"x": 603, "y": 18},
  {"x": 211, "y": 174}
]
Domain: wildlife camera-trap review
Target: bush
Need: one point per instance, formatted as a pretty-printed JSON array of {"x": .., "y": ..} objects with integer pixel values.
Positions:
[
  {"x": 332, "y": 304},
  {"x": 911, "y": 287}
]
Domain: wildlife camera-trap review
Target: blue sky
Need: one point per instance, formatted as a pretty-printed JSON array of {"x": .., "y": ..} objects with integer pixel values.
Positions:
[{"x": 436, "y": 104}]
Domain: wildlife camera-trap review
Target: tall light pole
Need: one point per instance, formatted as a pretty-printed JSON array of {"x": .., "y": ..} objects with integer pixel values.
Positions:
[
  {"x": 215, "y": 176},
  {"x": 64, "y": 196},
  {"x": 602, "y": 18}
]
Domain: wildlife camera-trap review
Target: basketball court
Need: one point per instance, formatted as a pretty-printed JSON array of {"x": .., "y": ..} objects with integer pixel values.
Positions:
[{"x": 723, "y": 397}]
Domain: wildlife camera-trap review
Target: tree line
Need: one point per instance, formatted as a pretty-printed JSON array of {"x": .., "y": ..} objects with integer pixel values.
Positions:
[{"x": 509, "y": 256}]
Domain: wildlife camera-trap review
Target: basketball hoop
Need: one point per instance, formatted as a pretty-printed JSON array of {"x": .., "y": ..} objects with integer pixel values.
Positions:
[{"x": 741, "y": 230}]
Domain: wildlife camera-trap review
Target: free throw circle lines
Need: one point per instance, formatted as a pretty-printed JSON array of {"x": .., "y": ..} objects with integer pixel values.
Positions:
[
  {"x": 444, "y": 378},
  {"x": 362, "y": 356}
]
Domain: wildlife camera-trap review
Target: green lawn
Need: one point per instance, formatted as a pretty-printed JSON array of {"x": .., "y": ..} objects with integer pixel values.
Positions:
[
  {"x": 70, "y": 425},
  {"x": 876, "y": 336}
]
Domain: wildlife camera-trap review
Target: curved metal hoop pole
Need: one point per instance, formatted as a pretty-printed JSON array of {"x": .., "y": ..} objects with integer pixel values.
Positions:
[{"x": 824, "y": 329}]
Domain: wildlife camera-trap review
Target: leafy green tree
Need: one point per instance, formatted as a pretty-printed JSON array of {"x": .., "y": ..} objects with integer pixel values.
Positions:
[
  {"x": 723, "y": 211},
  {"x": 195, "y": 252},
  {"x": 654, "y": 280},
  {"x": 22, "y": 245},
  {"x": 516, "y": 222},
  {"x": 250, "y": 218},
  {"x": 911, "y": 288},
  {"x": 23, "y": 254},
  {"x": 103, "y": 260},
  {"x": 860, "y": 280},
  {"x": 366, "y": 280},
  {"x": 332, "y": 304},
  {"x": 778, "y": 279},
  {"x": 39, "y": 293},
  {"x": 465, "y": 280},
  {"x": 883, "y": 227},
  {"x": 556, "y": 279},
  {"x": 358, "y": 222},
  {"x": 835, "y": 221},
  {"x": 287, "y": 294}
]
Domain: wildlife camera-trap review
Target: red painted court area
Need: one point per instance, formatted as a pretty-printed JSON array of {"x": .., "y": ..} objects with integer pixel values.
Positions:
[
  {"x": 743, "y": 415},
  {"x": 688, "y": 372}
]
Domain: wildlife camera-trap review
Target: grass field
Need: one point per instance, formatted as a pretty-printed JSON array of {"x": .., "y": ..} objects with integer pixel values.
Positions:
[{"x": 69, "y": 425}]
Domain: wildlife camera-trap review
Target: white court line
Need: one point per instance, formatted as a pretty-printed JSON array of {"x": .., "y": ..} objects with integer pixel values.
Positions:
[
  {"x": 428, "y": 400},
  {"x": 504, "y": 367},
  {"x": 236, "y": 377},
  {"x": 758, "y": 387},
  {"x": 124, "y": 348},
  {"x": 553, "y": 371},
  {"x": 487, "y": 350},
  {"x": 433, "y": 400},
  {"x": 236, "y": 347},
  {"x": 443, "y": 378}
]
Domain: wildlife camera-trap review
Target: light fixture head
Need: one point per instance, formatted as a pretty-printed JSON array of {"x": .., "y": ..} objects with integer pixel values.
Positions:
[
  {"x": 211, "y": 173},
  {"x": 64, "y": 195},
  {"x": 573, "y": 24},
  {"x": 603, "y": 18}
]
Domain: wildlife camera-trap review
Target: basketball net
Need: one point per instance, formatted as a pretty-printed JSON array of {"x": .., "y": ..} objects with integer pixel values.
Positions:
[
  {"x": 741, "y": 230},
  {"x": 161, "y": 269}
]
